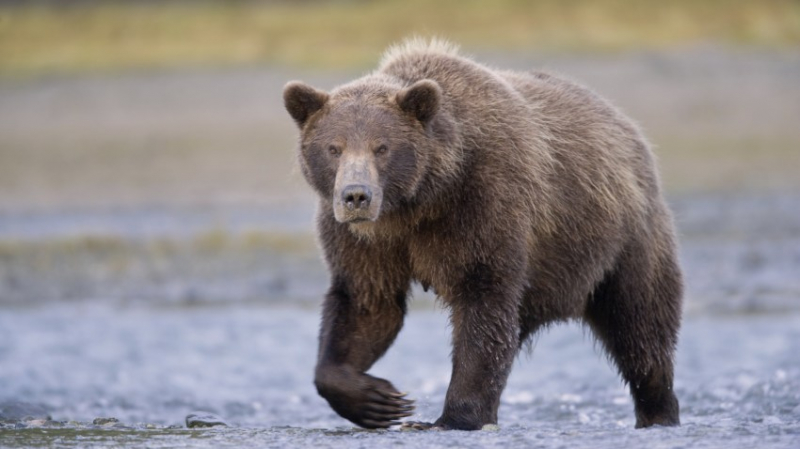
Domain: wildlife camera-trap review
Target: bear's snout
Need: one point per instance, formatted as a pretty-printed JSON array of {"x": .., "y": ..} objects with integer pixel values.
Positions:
[
  {"x": 356, "y": 197},
  {"x": 357, "y": 193}
]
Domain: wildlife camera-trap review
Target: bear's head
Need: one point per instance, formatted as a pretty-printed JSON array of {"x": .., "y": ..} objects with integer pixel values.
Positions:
[{"x": 366, "y": 147}]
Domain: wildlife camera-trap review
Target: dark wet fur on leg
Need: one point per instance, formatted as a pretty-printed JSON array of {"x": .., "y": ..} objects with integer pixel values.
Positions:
[{"x": 635, "y": 312}]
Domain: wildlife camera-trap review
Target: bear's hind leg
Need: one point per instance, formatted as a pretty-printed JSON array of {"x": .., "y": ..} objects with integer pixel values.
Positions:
[{"x": 635, "y": 313}]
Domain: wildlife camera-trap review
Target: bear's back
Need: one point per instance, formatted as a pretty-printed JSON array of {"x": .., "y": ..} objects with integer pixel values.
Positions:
[
  {"x": 553, "y": 139},
  {"x": 467, "y": 85}
]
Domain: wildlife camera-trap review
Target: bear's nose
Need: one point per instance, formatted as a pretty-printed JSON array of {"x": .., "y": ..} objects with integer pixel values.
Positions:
[{"x": 356, "y": 196}]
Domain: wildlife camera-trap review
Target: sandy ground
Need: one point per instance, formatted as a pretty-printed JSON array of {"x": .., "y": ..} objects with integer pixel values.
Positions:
[{"x": 721, "y": 119}]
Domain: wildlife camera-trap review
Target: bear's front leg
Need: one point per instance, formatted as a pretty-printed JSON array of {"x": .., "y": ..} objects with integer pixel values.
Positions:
[
  {"x": 354, "y": 334},
  {"x": 485, "y": 310}
]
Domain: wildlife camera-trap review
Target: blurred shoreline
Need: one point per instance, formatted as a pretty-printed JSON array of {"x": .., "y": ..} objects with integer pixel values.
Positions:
[
  {"x": 740, "y": 255},
  {"x": 180, "y": 187},
  {"x": 721, "y": 121}
]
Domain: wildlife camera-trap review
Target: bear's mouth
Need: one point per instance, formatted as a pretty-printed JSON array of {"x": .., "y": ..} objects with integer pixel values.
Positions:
[{"x": 343, "y": 214}]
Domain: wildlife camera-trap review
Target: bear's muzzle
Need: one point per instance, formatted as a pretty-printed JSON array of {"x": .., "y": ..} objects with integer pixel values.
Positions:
[{"x": 357, "y": 194}]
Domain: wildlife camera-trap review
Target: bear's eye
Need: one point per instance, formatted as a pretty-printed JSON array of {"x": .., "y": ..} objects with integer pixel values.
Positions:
[
  {"x": 381, "y": 149},
  {"x": 334, "y": 151}
]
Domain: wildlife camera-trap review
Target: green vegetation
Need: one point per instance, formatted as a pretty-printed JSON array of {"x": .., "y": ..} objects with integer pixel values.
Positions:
[
  {"x": 114, "y": 36},
  {"x": 717, "y": 163},
  {"x": 47, "y": 253},
  {"x": 218, "y": 264}
]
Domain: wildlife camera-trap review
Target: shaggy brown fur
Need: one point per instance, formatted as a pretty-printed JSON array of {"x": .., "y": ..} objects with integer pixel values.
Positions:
[{"x": 521, "y": 198}]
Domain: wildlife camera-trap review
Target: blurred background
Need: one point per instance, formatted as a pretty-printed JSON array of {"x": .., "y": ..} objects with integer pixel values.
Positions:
[
  {"x": 147, "y": 163},
  {"x": 145, "y": 154}
]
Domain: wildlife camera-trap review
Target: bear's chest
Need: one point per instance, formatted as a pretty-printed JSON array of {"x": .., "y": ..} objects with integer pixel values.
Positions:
[{"x": 433, "y": 262}]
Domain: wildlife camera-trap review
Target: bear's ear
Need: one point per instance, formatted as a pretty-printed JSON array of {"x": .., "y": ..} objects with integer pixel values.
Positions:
[
  {"x": 302, "y": 100},
  {"x": 422, "y": 99}
]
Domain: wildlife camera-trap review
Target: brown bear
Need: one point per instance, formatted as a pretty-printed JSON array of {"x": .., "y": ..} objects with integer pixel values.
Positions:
[{"x": 521, "y": 198}]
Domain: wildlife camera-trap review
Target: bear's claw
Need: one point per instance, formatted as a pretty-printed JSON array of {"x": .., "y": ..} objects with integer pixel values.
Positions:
[{"x": 365, "y": 400}]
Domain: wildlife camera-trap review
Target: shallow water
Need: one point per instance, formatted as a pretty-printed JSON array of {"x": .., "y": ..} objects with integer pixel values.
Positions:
[
  {"x": 149, "y": 354},
  {"x": 738, "y": 380}
]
